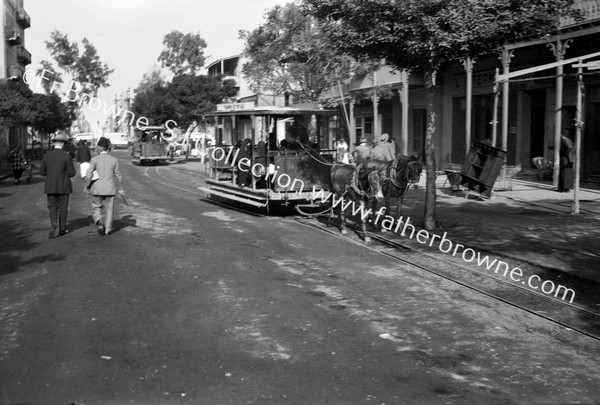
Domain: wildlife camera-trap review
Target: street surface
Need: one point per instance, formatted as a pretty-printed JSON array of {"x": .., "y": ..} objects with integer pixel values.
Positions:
[{"x": 192, "y": 303}]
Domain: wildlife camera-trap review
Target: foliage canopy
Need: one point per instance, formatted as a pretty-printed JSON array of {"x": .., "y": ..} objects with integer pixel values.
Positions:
[
  {"x": 290, "y": 53},
  {"x": 20, "y": 107},
  {"x": 86, "y": 68},
  {"x": 429, "y": 33},
  {"x": 184, "y": 100},
  {"x": 183, "y": 53}
]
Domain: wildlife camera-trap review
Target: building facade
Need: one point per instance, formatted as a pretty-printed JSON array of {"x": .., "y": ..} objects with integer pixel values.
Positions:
[
  {"x": 14, "y": 57},
  {"x": 530, "y": 111},
  {"x": 230, "y": 68}
]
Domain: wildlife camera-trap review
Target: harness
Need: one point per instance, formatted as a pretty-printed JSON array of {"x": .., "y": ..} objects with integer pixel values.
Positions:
[
  {"x": 355, "y": 182},
  {"x": 391, "y": 173}
]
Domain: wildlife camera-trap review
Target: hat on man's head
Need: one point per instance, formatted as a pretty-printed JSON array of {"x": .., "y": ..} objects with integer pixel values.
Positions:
[
  {"x": 62, "y": 137},
  {"x": 384, "y": 138},
  {"x": 104, "y": 142},
  {"x": 359, "y": 140}
]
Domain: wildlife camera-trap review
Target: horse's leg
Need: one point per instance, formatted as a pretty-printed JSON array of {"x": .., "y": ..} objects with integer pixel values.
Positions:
[
  {"x": 399, "y": 202},
  {"x": 386, "y": 205},
  {"x": 373, "y": 210},
  {"x": 343, "y": 222},
  {"x": 363, "y": 222},
  {"x": 331, "y": 215}
]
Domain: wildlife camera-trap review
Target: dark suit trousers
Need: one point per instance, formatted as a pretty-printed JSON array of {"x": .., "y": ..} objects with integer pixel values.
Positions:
[{"x": 58, "y": 205}]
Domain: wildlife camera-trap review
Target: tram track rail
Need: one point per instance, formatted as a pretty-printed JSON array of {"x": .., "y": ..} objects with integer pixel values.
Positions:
[
  {"x": 181, "y": 186},
  {"x": 562, "y": 313}
]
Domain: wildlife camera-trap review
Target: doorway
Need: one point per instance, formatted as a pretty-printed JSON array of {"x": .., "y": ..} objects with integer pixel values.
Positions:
[{"x": 537, "y": 124}]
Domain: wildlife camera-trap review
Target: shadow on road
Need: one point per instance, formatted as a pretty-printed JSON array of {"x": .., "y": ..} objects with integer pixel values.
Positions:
[
  {"x": 79, "y": 223},
  {"x": 12, "y": 263},
  {"x": 87, "y": 221},
  {"x": 14, "y": 239},
  {"x": 10, "y": 182},
  {"x": 123, "y": 223}
]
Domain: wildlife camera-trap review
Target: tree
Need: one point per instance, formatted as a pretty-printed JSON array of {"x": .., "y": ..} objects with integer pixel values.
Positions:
[
  {"x": 14, "y": 99},
  {"x": 428, "y": 34},
  {"x": 186, "y": 99},
  {"x": 86, "y": 69},
  {"x": 155, "y": 103},
  {"x": 290, "y": 54},
  {"x": 183, "y": 53},
  {"x": 150, "y": 79},
  {"x": 80, "y": 73},
  {"x": 46, "y": 113},
  {"x": 19, "y": 106}
]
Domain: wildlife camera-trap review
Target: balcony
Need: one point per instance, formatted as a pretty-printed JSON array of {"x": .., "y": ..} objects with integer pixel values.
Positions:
[
  {"x": 15, "y": 73},
  {"x": 23, "y": 18},
  {"x": 590, "y": 10},
  {"x": 13, "y": 37},
  {"x": 23, "y": 55}
]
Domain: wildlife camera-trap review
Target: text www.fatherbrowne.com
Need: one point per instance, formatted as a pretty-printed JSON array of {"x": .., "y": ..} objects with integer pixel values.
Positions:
[{"x": 445, "y": 245}]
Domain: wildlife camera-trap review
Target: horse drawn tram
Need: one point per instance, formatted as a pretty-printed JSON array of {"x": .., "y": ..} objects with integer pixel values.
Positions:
[{"x": 271, "y": 156}]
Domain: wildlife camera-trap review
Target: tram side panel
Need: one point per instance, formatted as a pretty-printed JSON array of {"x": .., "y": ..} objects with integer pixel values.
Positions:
[{"x": 301, "y": 172}]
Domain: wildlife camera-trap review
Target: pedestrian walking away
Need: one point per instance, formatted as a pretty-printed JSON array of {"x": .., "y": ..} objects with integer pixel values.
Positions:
[
  {"x": 83, "y": 157},
  {"x": 105, "y": 182},
  {"x": 58, "y": 168},
  {"x": 17, "y": 163}
]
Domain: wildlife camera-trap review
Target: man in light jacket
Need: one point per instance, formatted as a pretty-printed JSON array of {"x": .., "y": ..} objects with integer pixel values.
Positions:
[
  {"x": 104, "y": 185},
  {"x": 384, "y": 149}
]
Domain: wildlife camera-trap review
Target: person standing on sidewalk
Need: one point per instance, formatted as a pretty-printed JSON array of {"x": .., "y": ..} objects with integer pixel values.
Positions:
[
  {"x": 83, "y": 157},
  {"x": 565, "y": 176},
  {"x": 17, "y": 163},
  {"x": 104, "y": 185},
  {"x": 58, "y": 168}
]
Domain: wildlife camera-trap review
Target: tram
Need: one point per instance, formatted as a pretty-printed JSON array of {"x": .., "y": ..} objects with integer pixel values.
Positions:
[
  {"x": 271, "y": 156},
  {"x": 150, "y": 145}
]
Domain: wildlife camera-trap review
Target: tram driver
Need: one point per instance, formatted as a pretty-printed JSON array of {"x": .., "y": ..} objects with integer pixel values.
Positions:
[{"x": 289, "y": 143}]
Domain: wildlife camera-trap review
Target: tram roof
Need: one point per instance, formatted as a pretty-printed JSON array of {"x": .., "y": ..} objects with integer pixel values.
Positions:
[{"x": 276, "y": 111}]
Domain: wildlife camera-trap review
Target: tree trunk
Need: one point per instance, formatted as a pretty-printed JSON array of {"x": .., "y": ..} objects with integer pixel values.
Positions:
[{"x": 430, "y": 192}]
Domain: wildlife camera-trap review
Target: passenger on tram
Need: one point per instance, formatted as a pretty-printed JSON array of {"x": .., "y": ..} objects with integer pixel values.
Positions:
[
  {"x": 244, "y": 177},
  {"x": 260, "y": 154},
  {"x": 289, "y": 143},
  {"x": 314, "y": 143}
]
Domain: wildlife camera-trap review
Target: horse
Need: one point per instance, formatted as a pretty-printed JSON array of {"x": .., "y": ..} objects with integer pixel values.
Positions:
[
  {"x": 395, "y": 177},
  {"x": 352, "y": 185}
]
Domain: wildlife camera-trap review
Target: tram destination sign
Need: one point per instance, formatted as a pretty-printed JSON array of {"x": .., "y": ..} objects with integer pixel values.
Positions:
[{"x": 235, "y": 106}]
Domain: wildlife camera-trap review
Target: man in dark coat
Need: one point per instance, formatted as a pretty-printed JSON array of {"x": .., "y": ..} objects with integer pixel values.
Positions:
[
  {"x": 83, "y": 157},
  {"x": 58, "y": 168},
  {"x": 565, "y": 176}
]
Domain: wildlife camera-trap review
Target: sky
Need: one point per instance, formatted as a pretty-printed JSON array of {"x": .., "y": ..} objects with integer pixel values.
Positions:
[{"x": 128, "y": 34}]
